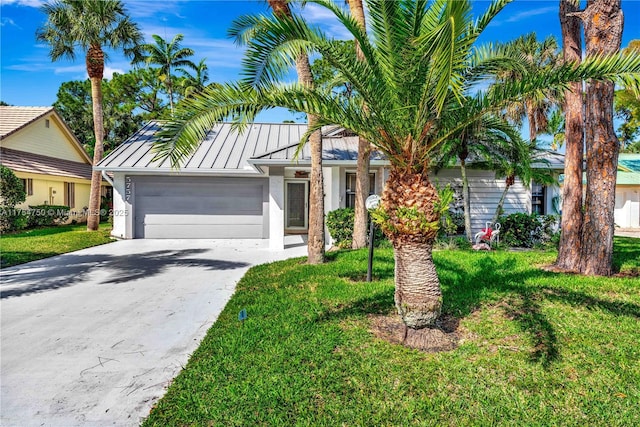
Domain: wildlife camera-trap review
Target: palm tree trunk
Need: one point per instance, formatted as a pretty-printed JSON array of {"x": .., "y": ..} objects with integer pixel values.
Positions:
[
  {"x": 531, "y": 118},
  {"x": 418, "y": 297},
  {"x": 359, "y": 237},
  {"x": 466, "y": 200},
  {"x": 316, "y": 242},
  {"x": 496, "y": 214},
  {"x": 569, "y": 251},
  {"x": 603, "y": 33},
  {"x": 95, "y": 69}
]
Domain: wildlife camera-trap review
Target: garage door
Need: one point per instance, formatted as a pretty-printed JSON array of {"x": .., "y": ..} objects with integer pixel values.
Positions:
[{"x": 199, "y": 208}]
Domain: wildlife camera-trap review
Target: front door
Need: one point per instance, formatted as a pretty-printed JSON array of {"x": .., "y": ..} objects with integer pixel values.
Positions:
[{"x": 297, "y": 203}]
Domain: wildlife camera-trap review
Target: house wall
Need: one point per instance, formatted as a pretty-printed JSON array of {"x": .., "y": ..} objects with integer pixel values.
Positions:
[
  {"x": 627, "y": 208},
  {"x": 50, "y": 141},
  {"x": 49, "y": 190}
]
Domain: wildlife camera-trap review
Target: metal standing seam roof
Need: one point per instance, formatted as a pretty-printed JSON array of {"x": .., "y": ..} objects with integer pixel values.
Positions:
[
  {"x": 628, "y": 169},
  {"x": 226, "y": 150}
]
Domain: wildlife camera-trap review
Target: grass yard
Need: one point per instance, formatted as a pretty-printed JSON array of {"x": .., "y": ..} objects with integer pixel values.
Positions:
[
  {"x": 536, "y": 348},
  {"x": 31, "y": 245}
]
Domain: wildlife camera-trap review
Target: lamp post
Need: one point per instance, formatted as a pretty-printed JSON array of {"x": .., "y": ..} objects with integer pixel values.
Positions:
[{"x": 372, "y": 202}]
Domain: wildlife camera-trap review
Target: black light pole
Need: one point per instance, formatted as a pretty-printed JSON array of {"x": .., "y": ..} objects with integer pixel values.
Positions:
[
  {"x": 372, "y": 202},
  {"x": 371, "y": 237}
]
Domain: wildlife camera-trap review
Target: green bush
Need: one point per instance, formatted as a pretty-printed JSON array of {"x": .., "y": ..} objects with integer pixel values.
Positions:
[
  {"x": 47, "y": 215},
  {"x": 11, "y": 188},
  {"x": 524, "y": 230},
  {"x": 12, "y": 219},
  {"x": 340, "y": 226}
]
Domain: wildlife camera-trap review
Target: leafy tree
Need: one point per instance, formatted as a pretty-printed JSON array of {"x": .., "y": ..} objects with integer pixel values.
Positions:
[
  {"x": 168, "y": 56},
  {"x": 419, "y": 63},
  {"x": 120, "y": 103},
  {"x": 627, "y": 106},
  {"x": 555, "y": 128},
  {"x": 11, "y": 188},
  {"x": 90, "y": 26}
]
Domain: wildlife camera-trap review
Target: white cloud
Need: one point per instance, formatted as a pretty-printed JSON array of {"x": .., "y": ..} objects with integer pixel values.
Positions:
[
  {"x": 527, "y": 14},
  {"x": 325, "y": 19},
  {"x": 28, "y": 3},
  {"x": 8, "y": 21}
]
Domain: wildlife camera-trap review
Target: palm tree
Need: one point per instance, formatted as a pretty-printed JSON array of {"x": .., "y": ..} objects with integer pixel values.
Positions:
[
  {"x": 359, "y": 237},
  {"x": 194, "y": 83},
  {"x": 480, "y": 144},
  {"x": 419, "y": 65},
  {"x": 90, "y": 26},
  {"x": 168, "y": 56},
  {"x": 555, "y": 128},
  {"x": 242, "y": 31},
  {"x": 535, "y": 107}
]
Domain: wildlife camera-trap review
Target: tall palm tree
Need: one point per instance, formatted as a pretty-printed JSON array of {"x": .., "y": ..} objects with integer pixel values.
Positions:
[
  {"x": 419, "y": 64},
  {"x": 90, "y": 27},
  {"x": 168, "y": 56},
  {"x": 316, "y": 238},
  {"x": 359, "y": 237},
  {"x": 536, "y": 56},
  {"x": 194, "y": 83}
]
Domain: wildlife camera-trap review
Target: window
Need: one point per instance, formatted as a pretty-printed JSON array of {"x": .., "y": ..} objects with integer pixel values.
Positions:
[
  {"x": 27, "y": 183},
  {"x": 46, "y": 123},
  {"x": 351, "y": 188},
  {"x": 70, "y": 194},
  {"x": 538, "y": 198}
]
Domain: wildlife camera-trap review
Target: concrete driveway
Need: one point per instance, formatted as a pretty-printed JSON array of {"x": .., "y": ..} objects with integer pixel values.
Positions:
[{"x": 94, "y": 337}]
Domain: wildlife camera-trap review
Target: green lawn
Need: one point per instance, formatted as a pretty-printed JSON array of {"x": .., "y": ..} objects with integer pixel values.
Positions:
[
  {"x": 537, "y": 348},
  {"x": 31, "y": 245}
]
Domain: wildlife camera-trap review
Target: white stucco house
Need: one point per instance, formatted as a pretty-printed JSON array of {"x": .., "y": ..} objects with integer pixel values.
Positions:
[{"x": 250, "y": 186}]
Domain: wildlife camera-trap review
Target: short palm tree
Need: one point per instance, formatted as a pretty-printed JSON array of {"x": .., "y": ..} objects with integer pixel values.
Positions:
[
  {"x": 478, "y": 145},
  {"x": 419, "y": 66},
  {"x": 90, "y": 26},
  {"x": 168, "y": 56}
]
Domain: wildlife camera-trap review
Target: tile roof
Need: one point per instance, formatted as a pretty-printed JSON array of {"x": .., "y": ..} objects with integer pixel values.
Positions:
[
  {"x": 13, "y": 119},
  {"x": 21, "y": 161}
]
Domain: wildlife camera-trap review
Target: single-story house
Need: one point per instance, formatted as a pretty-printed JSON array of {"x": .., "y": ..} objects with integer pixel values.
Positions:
[
  {"x": 37, "y": 145},
  {"x": 249, "y": 185},
  {"x": 627, "y": 210}
]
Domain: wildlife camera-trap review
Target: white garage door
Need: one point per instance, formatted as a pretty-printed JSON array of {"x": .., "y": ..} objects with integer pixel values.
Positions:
[{"x": 199, "y": 208}]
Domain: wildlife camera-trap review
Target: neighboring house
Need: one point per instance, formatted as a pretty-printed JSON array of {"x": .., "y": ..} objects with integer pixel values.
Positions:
[
  {"x": 43, "y": 152},
  {"x": 249, "y": 185},
  {"x": 627, "y": 211}
]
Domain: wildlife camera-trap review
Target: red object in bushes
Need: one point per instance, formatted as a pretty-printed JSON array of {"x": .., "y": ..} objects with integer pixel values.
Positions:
[{"x": 487, "y": 233}]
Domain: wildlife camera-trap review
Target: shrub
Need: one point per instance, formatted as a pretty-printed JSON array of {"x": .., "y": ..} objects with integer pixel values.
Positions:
[
  {"x": 47, "y": 215},
  {"x": 11, "y": 188},
  {"x": 340, "y": 226},
  {"x": 527, "y": 230},
  {"x": 12, "y": 219}
]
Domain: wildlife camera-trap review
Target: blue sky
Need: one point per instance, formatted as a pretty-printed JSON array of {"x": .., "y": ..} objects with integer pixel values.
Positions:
[{"x": 28, "y": 77}]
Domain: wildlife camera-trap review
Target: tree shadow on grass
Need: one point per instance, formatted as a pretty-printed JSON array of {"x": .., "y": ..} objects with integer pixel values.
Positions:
[
  {"x": 496, "y": 280},
  {"x": 626, "y": 251}
]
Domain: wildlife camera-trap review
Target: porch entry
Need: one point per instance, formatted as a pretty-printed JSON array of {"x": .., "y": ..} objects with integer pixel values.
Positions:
[{"x": 297, "y": 205}]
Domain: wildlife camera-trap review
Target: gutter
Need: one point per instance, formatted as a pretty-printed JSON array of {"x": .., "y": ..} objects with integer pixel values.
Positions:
[{"x": 107, "y": 177}]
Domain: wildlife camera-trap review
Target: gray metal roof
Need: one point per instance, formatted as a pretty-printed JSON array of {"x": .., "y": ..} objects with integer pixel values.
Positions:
[{"x": 224, "y": 150}]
